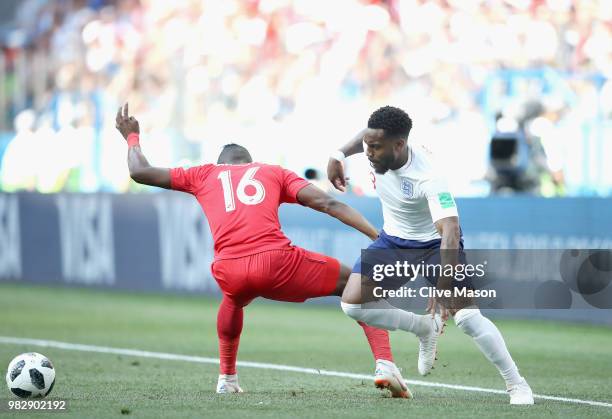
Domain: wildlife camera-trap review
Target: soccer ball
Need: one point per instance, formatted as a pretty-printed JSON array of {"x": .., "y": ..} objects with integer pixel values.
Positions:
[{"x": 30, "y": 375}]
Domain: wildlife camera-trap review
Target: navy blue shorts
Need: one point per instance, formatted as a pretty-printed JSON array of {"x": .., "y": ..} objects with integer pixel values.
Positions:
[{"x": 390, "y": 249}]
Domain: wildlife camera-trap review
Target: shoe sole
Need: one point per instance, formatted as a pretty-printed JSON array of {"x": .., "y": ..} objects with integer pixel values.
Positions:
[
  {"x": 231, "y": 391},
  {"x": 527, "y": 403},
  {"x": 384, "y": 384},
  {"x": 432, "y": 365},
  {"x": 435, "y": 351}
]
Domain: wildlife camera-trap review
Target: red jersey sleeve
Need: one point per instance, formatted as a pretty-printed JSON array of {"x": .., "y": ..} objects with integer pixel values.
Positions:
[
  {"x": 292, "y": 184},
  {"x": 189, "y": 180}
]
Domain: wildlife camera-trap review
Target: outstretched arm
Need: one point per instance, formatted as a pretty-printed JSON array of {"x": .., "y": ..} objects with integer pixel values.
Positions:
[
  {"x": 140, "y": 169},
  {"x": 335, "y": 167},
  {"x": 449, "y": 229},
  {"x": 355, "y": 145},
  {"x": 313, "y": 197}
]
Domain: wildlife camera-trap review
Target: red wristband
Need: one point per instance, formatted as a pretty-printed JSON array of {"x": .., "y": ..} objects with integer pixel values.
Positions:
[{"x": 133, "y": 139}]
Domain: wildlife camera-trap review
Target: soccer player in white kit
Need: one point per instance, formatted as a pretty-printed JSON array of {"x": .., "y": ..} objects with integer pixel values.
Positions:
[{"x": 419, "y": 213}]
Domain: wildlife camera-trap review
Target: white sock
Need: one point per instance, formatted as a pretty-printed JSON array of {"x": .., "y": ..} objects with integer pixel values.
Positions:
[
  {"x": 383, "y": 315},
  {"x": 490, "y": 342},
  {"x": 386, "y": 363}
]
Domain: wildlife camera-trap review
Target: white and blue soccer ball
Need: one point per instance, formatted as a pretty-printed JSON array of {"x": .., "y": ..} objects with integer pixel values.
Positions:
[{"x": 30, "y": 375}]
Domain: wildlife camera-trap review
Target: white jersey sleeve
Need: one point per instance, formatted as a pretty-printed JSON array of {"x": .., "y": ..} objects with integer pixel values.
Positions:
[{"x": 440, "y": 201}]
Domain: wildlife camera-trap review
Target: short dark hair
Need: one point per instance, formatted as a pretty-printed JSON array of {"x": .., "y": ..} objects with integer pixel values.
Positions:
[
  {"x": 234, "y": 154},
  {"x": 395, "y": 122}
]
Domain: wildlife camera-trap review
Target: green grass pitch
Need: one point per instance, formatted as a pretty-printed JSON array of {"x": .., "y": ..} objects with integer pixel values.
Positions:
[{"x": 558, "y": 359}]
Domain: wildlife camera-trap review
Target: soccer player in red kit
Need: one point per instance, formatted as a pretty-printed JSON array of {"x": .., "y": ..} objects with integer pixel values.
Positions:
[{"x": 253, "y": 258}]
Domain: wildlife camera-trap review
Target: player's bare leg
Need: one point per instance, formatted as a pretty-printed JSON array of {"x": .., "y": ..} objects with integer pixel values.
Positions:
[
  {"x": 387, "y": 375},
  {"x": 343, "y": 277}
]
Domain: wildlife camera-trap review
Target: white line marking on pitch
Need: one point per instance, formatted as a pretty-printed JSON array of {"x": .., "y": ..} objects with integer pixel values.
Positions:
[{"x": 277, "y": 367}]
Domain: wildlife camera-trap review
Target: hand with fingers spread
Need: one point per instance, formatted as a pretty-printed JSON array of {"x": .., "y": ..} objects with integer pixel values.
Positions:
[
  {"x": 126, "y": 124},
  {"x": 432, "y": 307}
]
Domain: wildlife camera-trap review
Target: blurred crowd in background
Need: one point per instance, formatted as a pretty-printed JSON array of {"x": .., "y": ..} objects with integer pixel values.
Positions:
[{"x": 294, "y": 79}]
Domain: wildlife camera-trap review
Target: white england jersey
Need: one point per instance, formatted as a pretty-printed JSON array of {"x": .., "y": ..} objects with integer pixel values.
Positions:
[{"x": 414, "y": 197}]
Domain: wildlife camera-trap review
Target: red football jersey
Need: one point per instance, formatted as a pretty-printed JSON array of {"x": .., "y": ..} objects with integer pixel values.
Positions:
[{"x": 241, "y": 203}]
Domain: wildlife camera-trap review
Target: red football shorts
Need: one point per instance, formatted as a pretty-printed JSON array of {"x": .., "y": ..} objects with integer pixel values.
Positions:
[{"x": 292, "y": 274}]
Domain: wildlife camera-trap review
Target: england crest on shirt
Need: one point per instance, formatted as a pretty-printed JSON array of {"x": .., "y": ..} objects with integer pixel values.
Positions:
[{"x": 407, "y": 188}]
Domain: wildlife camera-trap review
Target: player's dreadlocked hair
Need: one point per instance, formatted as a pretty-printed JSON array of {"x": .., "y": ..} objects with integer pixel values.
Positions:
[
  {"x": 234, "y": 154},
  {"x": 395, "y": 122}
]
